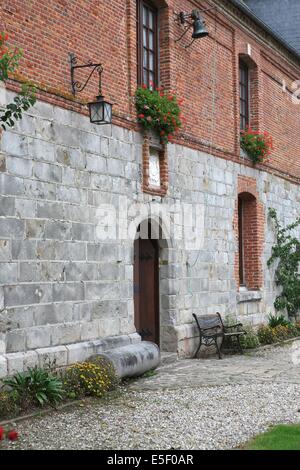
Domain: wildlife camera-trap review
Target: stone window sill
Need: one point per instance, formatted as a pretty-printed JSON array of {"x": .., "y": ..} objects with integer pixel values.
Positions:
[
  {"x": 155, "y": 191},
  {"x": 249, "y": 296}
]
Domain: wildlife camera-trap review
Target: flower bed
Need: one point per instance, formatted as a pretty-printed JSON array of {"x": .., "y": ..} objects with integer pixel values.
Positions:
[
  {"x": 37, "y": 387},
  {"x": 258, "y": 146},
  {"x": 271, "y": 333},
  {"x": 158, "y": 110}
]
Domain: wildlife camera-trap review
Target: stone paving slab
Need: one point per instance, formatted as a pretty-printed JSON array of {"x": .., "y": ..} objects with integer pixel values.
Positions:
[{"x": 274, "y": 364}]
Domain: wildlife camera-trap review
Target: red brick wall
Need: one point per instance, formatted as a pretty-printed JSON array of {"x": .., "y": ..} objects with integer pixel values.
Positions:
[{"x": 205, "y": 75}]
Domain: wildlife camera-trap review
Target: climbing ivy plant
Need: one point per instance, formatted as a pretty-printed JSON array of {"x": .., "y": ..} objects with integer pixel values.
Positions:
[
  {"x": 287, "y": 252},
  {"x": 9, "y": 61}
]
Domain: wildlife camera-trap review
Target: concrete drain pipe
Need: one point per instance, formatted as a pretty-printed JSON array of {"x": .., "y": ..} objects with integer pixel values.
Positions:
[{"x": 135, "y": 359}]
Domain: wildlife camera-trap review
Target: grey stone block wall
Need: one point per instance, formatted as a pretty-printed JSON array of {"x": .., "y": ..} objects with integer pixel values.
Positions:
[{"x": 60, "y": 285}]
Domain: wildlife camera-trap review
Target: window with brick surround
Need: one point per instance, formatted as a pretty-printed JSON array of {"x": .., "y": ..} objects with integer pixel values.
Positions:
[
  {"x": 241, "y": 241},
  {"x": 147, "y": 43},
  {"x": 244, "y": 82},
  {"x": 155, "y": 167},
  {"x": 249, "y": 270}
]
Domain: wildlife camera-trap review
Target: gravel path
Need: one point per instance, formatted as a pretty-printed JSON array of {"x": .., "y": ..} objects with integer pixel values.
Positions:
[{"x": 187, "y": 413}]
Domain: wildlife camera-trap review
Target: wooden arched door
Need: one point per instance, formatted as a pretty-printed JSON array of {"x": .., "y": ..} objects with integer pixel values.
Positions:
[{"x": 146, "y": 289}]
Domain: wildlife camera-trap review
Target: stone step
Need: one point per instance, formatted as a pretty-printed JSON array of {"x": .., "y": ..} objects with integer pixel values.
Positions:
[{"x": 168, "y": 358}]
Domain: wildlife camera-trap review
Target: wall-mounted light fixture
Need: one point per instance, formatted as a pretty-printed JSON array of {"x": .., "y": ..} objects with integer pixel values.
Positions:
[
  {"x": 192, "y": 20},
  {"x": 100, "y": 110}
]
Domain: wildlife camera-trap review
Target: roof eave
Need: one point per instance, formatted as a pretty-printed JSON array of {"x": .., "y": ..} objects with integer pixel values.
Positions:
[{"x": 267, "y": 28}]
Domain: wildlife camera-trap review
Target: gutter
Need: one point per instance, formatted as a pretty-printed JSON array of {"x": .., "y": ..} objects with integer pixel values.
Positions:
[{"x": 245, "y": 9}]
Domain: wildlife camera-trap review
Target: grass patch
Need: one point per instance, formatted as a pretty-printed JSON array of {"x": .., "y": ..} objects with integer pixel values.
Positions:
[
  {"x": 149, "y": 373},
  {"x": 281, "y": 437}
]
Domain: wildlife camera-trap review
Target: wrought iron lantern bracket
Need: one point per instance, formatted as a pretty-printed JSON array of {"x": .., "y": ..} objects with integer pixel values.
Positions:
[
  {"x": 100, "y": 110},
  {"x": 76, "y": 86}
]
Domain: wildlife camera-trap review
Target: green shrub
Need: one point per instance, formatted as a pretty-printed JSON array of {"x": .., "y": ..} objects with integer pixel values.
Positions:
[
  {"x": 293, "y": 330},
  {"x": 86, "y": 379},
  {"x": 297, "y": 326},
  {"x": 266, "y": 335},
  {"x": 278, "y": 320},
  {"x": 269, "y": 335},
  {"x": 9, "y": 404},
  {"x": 36, "y": 386},
  {"x": 282, "y": 332},
  {"x": 286, "y": 254},
  {"x": 250, "y": 339}
]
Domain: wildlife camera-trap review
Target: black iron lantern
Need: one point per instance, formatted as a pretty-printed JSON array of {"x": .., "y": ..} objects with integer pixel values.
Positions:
[{"x": 100, "y": 110}]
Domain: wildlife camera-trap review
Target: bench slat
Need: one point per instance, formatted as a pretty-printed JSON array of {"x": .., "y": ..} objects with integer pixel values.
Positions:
[{"x": 209, "y": 321}]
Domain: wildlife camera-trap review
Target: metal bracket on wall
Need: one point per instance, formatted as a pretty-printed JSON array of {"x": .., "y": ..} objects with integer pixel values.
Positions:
[{"x": 75, "y": 84}]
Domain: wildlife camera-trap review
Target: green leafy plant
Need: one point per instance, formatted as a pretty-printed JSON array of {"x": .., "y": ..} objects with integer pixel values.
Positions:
[
  {"x": 158, "y": 110},
  {"x": 250, "y": 339},
  {"x": 36, "y": 385},
  {"x": 257, "y": 145},
  {"x": 9, "y": 61},
  {"x": 9, "y": 404},
  {"x": 278, "y": 320},
  {"x": 86, "y": 379},
  {"x": 287, "y": 254}
]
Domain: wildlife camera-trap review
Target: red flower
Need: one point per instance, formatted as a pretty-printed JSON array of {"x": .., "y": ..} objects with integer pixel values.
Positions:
[
  {"x": 1, "y": 434},
  {"x": 170, "y": 97},
  {"x": 162, "y": 133},
  {"x": 144, "y": 86},
  {"x": 141, "y": 116},
  {"x": 3, "y": 37},
  {"x": 12, "y": 435}
]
